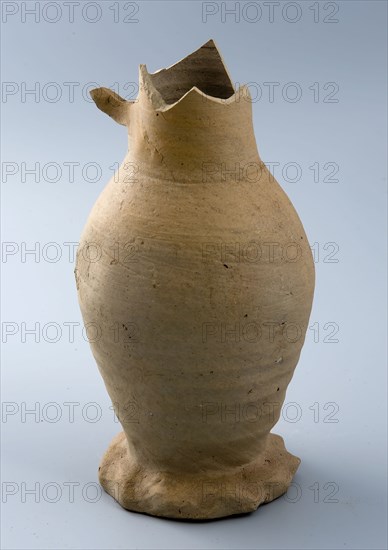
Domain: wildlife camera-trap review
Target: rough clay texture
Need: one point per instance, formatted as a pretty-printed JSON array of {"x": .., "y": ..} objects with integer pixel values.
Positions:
[{"x": 198, "y": 273}]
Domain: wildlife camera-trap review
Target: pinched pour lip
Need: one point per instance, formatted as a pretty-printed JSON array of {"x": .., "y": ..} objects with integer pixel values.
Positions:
[{"x": 201, "y": 74}]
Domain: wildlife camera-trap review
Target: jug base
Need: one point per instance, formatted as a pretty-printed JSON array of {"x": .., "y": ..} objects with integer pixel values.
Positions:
[{"x": 196, "y": 496}]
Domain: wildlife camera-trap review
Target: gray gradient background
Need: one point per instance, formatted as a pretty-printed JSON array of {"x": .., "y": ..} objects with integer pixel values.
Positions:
[{"x": 350, "y": 453}]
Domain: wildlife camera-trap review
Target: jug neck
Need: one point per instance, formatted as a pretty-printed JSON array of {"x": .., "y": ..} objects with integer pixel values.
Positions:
[{"x": 194, "y": 139}]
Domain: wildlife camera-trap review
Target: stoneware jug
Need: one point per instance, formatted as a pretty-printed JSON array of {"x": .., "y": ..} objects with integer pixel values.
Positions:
[{"x": 198, "y": 275}]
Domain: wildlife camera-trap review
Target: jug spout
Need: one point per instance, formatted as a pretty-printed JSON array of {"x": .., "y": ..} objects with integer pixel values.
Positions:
[{"x": 112, "y": 104}]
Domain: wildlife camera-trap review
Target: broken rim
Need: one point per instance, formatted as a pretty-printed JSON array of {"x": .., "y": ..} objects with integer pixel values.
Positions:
[{"x": 202, "y": 73}]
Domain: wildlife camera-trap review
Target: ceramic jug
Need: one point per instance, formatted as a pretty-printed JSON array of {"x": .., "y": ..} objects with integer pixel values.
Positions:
[{"x": 196, "y": 269}]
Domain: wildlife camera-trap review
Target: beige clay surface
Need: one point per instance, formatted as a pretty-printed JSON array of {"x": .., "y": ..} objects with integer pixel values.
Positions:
[{"x": 202, "y": 287}]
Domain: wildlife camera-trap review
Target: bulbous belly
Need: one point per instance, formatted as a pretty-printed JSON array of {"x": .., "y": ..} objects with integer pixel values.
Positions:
[{"x": 201, "y": 299}]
